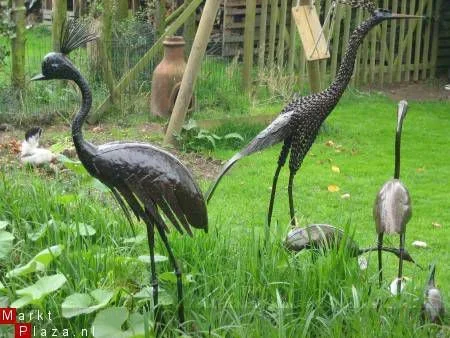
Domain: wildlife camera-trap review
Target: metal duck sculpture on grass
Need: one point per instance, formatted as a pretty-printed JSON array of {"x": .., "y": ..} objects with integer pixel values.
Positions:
[
  {"x": 299, "y": 122},
  {"x": 142, "y": 177}
]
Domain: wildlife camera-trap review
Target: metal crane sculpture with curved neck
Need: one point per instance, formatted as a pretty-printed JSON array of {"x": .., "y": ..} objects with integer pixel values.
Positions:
[
  {"x": 433, "y": 309},
  {"x": 299, "y": 122},
  {"x": 392, "y": 208},
  {"x": 141, "y": 177}
]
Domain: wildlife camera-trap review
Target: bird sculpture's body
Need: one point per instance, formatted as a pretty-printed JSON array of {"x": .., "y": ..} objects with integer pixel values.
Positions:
[
  {"x": 433, "y": 307},
  {"x": 31, "y": 153},
  {"x": 392, "y": 208},
  {"x": 142, "y": 177},
  {"x": 299, "y": 122},
  {"x": 324, "y": 236}
]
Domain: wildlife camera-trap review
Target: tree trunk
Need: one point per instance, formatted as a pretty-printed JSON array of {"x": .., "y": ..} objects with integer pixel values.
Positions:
[
  {"x": 192, "y": 69},
  {"x": 59, "y": 13},
  {"x": 105, "y": 47},
  {"x": 18, "y": 45}
]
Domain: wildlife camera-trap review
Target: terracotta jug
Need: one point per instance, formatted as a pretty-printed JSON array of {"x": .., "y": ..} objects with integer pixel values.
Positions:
[{"x": 167, "y": 77}]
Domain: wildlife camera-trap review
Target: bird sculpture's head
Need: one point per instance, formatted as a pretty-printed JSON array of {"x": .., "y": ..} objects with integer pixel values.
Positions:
[
  {"x": 384, "y": 14},
  {"x": 56, "y": 65},
  {"x": 401, "y": 114}
]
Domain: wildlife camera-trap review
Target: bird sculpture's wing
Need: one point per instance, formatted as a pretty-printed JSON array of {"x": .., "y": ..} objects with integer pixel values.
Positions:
[
  {"x": 275, "y": 132},
  {"x": 148, "y": 178}
]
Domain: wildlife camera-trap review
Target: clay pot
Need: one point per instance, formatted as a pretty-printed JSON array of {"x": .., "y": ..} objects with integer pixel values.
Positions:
[{"x": 167, "y": 77}]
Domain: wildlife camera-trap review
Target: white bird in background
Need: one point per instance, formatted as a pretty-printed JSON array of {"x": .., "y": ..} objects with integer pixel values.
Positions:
[{"x": 30, "y": 151}]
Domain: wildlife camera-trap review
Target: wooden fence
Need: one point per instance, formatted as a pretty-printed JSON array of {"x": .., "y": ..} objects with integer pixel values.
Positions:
[{"x": 395, "y": 51}]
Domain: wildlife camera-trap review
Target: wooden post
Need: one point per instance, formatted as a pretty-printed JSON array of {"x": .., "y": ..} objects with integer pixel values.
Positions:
[
  {"x": 59, "y": 13},
  {"x": 384, "y": 26},
  {"x": 105, "y": 47},
  {"x": 393, "y": 39},
  {"x": 427, "y": 38},
  {"x": 262, "y": 34},
  {"x": 249, "y": 41},
  {"x": 409, "y": 42},
  {"x": 398, "y": 73},
  {"x": 18, "y": 45},
  {"x": 418, "y": 42},
  {"x": 435, "y": 43},
  {"x": 192, "y": 68},
  {"x": 312, "y": 66}
]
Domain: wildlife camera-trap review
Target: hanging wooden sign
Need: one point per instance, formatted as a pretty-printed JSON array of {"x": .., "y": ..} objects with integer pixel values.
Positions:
[{"x": 311, "y": 33}]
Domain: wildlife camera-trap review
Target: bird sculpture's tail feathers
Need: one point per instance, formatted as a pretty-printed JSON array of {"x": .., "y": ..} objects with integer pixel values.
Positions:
[{"x": 275, "y": 132}]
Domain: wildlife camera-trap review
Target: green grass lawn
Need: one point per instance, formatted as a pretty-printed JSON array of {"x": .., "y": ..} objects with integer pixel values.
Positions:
[{"x": 235, "y": 287}]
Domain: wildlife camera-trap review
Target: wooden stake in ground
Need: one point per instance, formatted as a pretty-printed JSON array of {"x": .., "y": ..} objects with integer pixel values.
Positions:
[
  {"x": 192, "y": 68},
  {"x": 18, "y": 45}
]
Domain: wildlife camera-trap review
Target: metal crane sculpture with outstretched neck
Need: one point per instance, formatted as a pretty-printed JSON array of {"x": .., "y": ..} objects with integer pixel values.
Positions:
[
  {"x": 392, "y": 208},
  {"x": 141, "y": 176},
  {"x": 299, "y": 122}
]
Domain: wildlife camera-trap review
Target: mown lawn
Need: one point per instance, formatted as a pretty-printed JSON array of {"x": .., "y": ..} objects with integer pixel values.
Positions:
[{"x": 235, "y": 286}]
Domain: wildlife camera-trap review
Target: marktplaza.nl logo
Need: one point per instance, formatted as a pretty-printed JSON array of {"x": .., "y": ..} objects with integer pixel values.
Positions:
[
  {"x": 27, "y": 325},
  {"x": 8, "y": 316}
]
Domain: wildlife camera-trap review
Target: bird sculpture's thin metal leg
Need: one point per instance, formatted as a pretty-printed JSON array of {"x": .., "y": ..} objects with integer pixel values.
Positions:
[
  {"x": 281, "y": 161},
  {"x": 153, "y": 278},
  {"x": 400, "y": 264},
  {"x": 291, "y": 199},
  {"x": 380, "y": 263},
  {"x": 177, "y": 274}
]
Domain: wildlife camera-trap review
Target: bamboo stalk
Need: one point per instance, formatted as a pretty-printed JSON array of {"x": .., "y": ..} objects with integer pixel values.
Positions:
[
  {"x": 59, "y": 12},
  {"x": 418, "y": 41},
  {"x": 192, "y": 69},
  {"x": 346, "y": 36},
  {"x": 409, "y": 40},
  {"x": 262, "y": 34},
  {"x": 365, "y": 59},
  {"x": 398, "y": 73},
  {"x": 435, "y": 43},
  {"x": 427, "y": 38},
  {"x": 281, "y": 29},
  {"x": 249, "y": 42},
  {"x": 384, "y": 26}
]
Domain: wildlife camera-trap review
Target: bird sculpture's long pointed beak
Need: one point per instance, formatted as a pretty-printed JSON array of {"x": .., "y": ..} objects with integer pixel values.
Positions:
[
  {"x": 38, "y": 77},
  {"x": 406, "y": 16}
]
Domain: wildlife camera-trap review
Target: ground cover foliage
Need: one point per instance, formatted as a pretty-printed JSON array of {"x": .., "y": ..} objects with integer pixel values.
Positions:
[{"x": 67, "y": 249}]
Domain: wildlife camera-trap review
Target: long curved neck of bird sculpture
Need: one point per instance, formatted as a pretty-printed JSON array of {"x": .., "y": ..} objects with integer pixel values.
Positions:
[
  {"x": 77, "y": 124},
  {"x": 398, "y": 141},
  {"x": 342, "y": 79}
]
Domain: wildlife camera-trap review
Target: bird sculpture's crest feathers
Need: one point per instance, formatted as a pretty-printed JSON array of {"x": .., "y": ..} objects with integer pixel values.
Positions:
[
  {"x": 33, "y": 135},
  {"x": 74, "y": 34}
]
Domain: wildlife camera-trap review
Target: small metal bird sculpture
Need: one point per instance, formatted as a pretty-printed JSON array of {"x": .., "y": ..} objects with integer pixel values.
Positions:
[
  {"x": 142, "y": 177},
  {"x": 299, "y": 122},
  {"x": 433, "y": 307},
  {"x": 31, "y": 153},
  {"x": 392, "y": 208},
  {"x": 317, "y": 236}
]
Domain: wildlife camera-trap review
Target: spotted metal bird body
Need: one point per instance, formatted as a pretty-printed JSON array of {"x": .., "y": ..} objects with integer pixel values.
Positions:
[
  {"x": 433, "y": 309},
  {"x": 299, "y": 122},
  {"x": 142, "y": 177}
]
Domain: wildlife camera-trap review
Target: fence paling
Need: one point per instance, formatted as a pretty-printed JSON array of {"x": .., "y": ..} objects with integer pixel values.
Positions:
[
  {"x": 426, "y": 46},
  {"x": 262, "y": 34},
  {"x": 398, "y": 76},
  {"x": 435, "y": 44}
]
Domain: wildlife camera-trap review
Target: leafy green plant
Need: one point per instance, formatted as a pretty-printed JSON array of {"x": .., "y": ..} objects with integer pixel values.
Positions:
[
  {"x": 194, "y": 138},
  {"x": 82, "y": 303}
]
